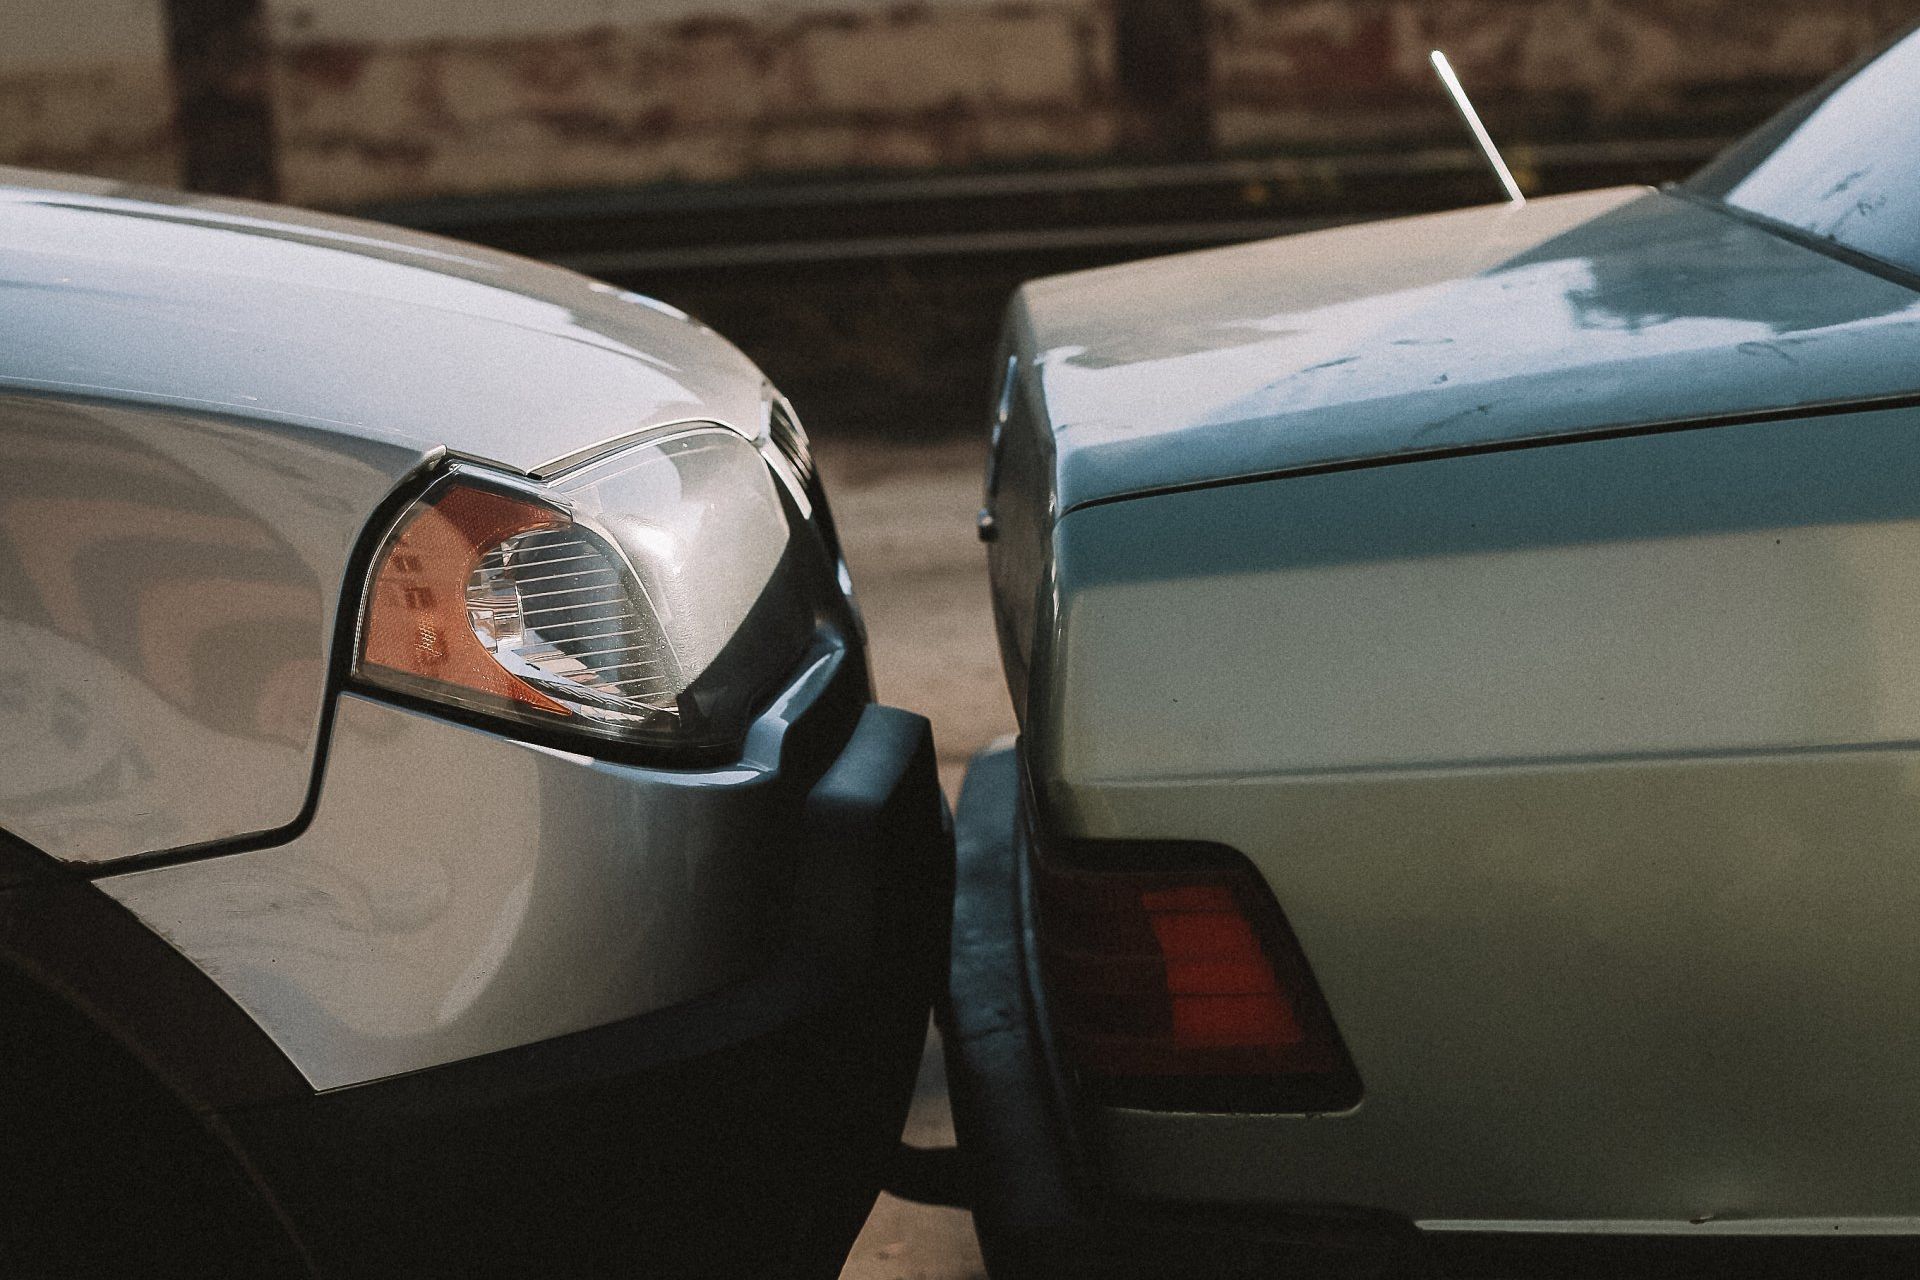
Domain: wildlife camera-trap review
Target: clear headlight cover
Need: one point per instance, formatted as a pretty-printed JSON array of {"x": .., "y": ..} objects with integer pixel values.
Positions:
[{"x": 648, "y": 596}]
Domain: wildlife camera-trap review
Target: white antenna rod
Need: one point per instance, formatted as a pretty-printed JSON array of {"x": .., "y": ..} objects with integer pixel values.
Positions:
[{"x": 1472, "y": 118}]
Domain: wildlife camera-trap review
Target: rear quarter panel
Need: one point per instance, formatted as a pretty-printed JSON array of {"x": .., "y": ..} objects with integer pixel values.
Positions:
[{"x": 1587, "y": 777}]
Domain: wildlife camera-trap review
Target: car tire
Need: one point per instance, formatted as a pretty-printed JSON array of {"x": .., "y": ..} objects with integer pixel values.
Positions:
[{"x": 105, "y": 1172}]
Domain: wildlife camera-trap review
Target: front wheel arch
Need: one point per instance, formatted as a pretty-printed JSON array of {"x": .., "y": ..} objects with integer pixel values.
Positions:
[{"x": 107, "y": 1171}]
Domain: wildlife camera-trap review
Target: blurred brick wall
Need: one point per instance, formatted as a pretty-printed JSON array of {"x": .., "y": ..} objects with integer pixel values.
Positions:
[
  {"x": 1355, "y": 72},
  {"x": 84, "y": 86},
  {"x": 392, "y": 99},
  {"x": 733, "y": 91}
]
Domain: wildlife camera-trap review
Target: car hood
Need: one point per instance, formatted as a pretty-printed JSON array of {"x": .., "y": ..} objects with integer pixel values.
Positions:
[
  {"x": 159, "y": 297},
  {"x": 1566, "y": 315}
]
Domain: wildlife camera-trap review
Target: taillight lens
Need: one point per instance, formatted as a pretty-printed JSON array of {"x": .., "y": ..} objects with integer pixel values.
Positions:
[
  {"x": 1174, "y": 981},
  {"x": 646, "y": 596}
]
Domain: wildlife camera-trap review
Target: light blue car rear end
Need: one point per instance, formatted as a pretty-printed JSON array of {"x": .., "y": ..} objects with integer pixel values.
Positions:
[{"x": 1466, "y": 797}]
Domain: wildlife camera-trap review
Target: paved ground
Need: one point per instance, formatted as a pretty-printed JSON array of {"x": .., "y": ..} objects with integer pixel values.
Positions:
[
  {"x": 905, "y": 1241},
  {"x": 906, "y": 517}
]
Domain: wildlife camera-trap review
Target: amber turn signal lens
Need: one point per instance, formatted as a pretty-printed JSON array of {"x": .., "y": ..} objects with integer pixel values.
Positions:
[{"x": 416, "y": 624}]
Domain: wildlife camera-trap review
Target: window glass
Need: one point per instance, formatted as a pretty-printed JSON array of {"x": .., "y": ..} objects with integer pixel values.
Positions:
[{"x": 1843, "y": 164}]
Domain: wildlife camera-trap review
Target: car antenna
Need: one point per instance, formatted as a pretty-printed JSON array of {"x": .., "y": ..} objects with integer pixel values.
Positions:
[{"x": 1472, "y": 117}]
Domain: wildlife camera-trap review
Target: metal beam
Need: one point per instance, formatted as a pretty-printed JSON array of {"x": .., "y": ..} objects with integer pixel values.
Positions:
[
  {"x": 217, "y": 50},
  {"x": 1162, "y": 69}
]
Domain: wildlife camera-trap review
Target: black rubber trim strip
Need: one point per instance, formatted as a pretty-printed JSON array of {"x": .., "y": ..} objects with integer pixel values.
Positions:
[
  {"x": 1754, "y": 417},
  {"x": 1892, "y": 272},
  {"x": 1018, "y": 1152}
]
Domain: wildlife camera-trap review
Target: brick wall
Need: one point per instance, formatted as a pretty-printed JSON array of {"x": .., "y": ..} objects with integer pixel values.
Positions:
[
  {"x": 84, "y": 86},
  {"x": 1354, "y": 72},
  {"x": 699, "y": 98},
  {"x": 393, "y": 99}
]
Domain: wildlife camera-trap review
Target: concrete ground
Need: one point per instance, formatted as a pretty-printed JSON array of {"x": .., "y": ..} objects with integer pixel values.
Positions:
[
  {"x": 907, "y": 1241},
  {"x": 905, "y": 515}
]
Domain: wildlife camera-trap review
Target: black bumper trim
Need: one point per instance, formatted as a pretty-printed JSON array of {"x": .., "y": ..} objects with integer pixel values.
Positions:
[{"x": 1038, "y": 1207}]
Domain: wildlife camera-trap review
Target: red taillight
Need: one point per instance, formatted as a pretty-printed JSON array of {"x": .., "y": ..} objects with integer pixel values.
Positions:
[{"x": 1177, "y": 982}]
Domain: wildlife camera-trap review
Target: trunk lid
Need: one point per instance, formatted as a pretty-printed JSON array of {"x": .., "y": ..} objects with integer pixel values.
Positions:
[{"x": 1563, "y": 316}]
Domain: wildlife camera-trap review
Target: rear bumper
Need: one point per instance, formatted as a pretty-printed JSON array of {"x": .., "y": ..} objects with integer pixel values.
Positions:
[
  {"x": 743, "y": 1133},
  {"x": 1039, "y": 1206},
  {"x": 1045, "y": 1206}
]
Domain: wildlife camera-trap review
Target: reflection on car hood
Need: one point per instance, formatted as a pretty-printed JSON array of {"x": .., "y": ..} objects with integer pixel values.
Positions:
[
  {"x": 158, "y": 297},
  {"x": 1570, "y": 314}
]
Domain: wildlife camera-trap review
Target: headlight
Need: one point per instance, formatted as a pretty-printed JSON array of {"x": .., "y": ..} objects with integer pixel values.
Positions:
[{"x": 646, "y": 596}]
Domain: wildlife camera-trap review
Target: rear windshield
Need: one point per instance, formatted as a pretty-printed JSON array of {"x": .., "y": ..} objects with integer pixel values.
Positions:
[{"x": 1843, "y": 164}]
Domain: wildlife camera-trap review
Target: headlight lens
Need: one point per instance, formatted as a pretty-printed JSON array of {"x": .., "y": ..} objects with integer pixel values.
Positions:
[{"x": 648, "y": 596}]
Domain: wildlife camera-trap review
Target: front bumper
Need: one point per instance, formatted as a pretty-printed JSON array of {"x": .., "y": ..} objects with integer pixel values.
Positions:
[
  {"x": 503, "y": 1010},
  {"x": 1039, "y": 1207},
  {"x": 742, "y": 1133},
  {"x": 460, "y": 892}
]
